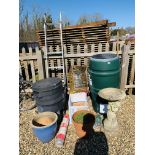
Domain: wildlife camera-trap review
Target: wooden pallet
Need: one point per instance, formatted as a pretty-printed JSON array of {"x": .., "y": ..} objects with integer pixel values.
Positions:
[{"x": 91, "y": 33}]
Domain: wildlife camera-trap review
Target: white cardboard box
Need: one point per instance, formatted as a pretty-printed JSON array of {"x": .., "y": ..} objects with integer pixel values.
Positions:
[
  {"x": 73, "y": 109},
  {"x": 79, "y": 97}
]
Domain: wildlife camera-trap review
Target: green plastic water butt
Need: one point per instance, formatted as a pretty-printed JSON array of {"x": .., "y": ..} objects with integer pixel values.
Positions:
[{"x": 104, "y": 72}]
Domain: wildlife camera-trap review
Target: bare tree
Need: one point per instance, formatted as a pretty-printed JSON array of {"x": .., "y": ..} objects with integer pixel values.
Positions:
[
  {"x": 83, "y": 19},
  {"x": 89, "y": 18},
  {"x": 20, "y": 7},
  {"x": 96, "y": 17},
  {"x": 130, "y": 30},
  {"x": 66, "y": 21},
  {"x": 28, "y": 28}
]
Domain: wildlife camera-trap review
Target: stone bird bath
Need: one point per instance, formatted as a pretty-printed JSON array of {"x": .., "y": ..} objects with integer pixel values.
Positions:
[{"x": 114, "y": 96}]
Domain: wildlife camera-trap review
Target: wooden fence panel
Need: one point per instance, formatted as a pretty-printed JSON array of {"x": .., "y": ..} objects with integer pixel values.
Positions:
[
  {"x": 29, "y": 62},
  {"x": 80, "y": 55}
]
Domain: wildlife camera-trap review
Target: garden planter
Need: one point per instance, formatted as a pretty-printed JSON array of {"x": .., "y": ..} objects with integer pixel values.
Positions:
[
  {"x": 44, "y": 126},
  {"x": 49, "y": 94},
  {"x": 82, "y": 125},
  {"x": 53, "y": 92},
  {"x": 48, "y": 84},
  {"x": 53, "y": 108},
  {"x": 50, "y": 100}
]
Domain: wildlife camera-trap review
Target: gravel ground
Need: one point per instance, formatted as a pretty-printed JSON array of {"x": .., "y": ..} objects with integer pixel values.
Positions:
[{"x": 122, "y": 143}]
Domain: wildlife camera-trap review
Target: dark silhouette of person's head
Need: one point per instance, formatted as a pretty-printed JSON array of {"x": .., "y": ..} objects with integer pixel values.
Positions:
[
  {"x": 93, "y": 143},
  {"x": 88, "y": 123}
]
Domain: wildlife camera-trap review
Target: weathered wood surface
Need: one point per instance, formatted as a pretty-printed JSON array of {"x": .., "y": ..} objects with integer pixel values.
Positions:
[
  {"x": 124, "y": 66},
  {"x": 25, "y": 64},
  {"x": 90, "y": 33},
  {"x": 40, "y": 63},
  {"x": 30, "y": 61},
  {"x": 78, "y": 55},
  {"x": 132, "y": 74},
  {"x": 32, "y": 67}
]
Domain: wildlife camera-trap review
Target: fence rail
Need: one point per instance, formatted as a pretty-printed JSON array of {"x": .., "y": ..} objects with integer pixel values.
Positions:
[{"x": 32, "y": 64}]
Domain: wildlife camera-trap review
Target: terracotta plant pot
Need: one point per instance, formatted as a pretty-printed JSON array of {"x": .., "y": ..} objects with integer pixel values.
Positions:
[{"x": 82, "y": 126}]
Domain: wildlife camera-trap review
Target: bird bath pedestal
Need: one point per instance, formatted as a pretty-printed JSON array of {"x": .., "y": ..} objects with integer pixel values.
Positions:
[{"x": 114, "y": 97}]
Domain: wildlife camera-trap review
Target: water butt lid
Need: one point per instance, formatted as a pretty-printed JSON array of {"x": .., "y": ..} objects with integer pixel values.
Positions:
[
  {"x": 104, "y": 56},
  {"x": 46, "y": 84}
]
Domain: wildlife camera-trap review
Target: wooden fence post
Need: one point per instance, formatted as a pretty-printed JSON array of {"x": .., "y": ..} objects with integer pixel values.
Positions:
[
  {"x": 44, "y": 60},
  {"x": 99, "y": 47},
  {"x": 124, "y": 66},
  {"x": 78, "y": 52},
  {"x": 85, "y": 51},
  {"x": 92, "y": 48},
  {"x": 107, "y": 47},
  {"x": 72, "y": 52},
  {"x": 66, "y": 62},
  {"x": 114, "y": 47},
  {"x": 51, "y": 49},
  {"x": 40, "y": 63},
  {"x": 58, "y": 63},
  {"x": 132, "y": 74},
  {"x": 25, "y": 65},
  {"x": 121, "y": 44},
  {"x": 32, "y": 66},
  {"x": 20, "y": 68}
]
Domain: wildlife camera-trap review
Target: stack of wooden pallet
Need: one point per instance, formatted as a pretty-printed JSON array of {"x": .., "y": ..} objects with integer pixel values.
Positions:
[{"x": 90, "y": 33}]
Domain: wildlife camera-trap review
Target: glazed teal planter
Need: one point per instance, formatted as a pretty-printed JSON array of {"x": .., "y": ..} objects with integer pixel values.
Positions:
[{"x": 44, "y": 126}]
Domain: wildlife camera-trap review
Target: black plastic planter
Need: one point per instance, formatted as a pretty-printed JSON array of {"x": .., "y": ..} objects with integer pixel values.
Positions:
[
  {"x": 47, "y": 84},
  {"x": 50, "y": 100},
  {"x": 54, "y": 108},
  {"x": 49, "y": 94},
  {"x": 57, "y": 90}
]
